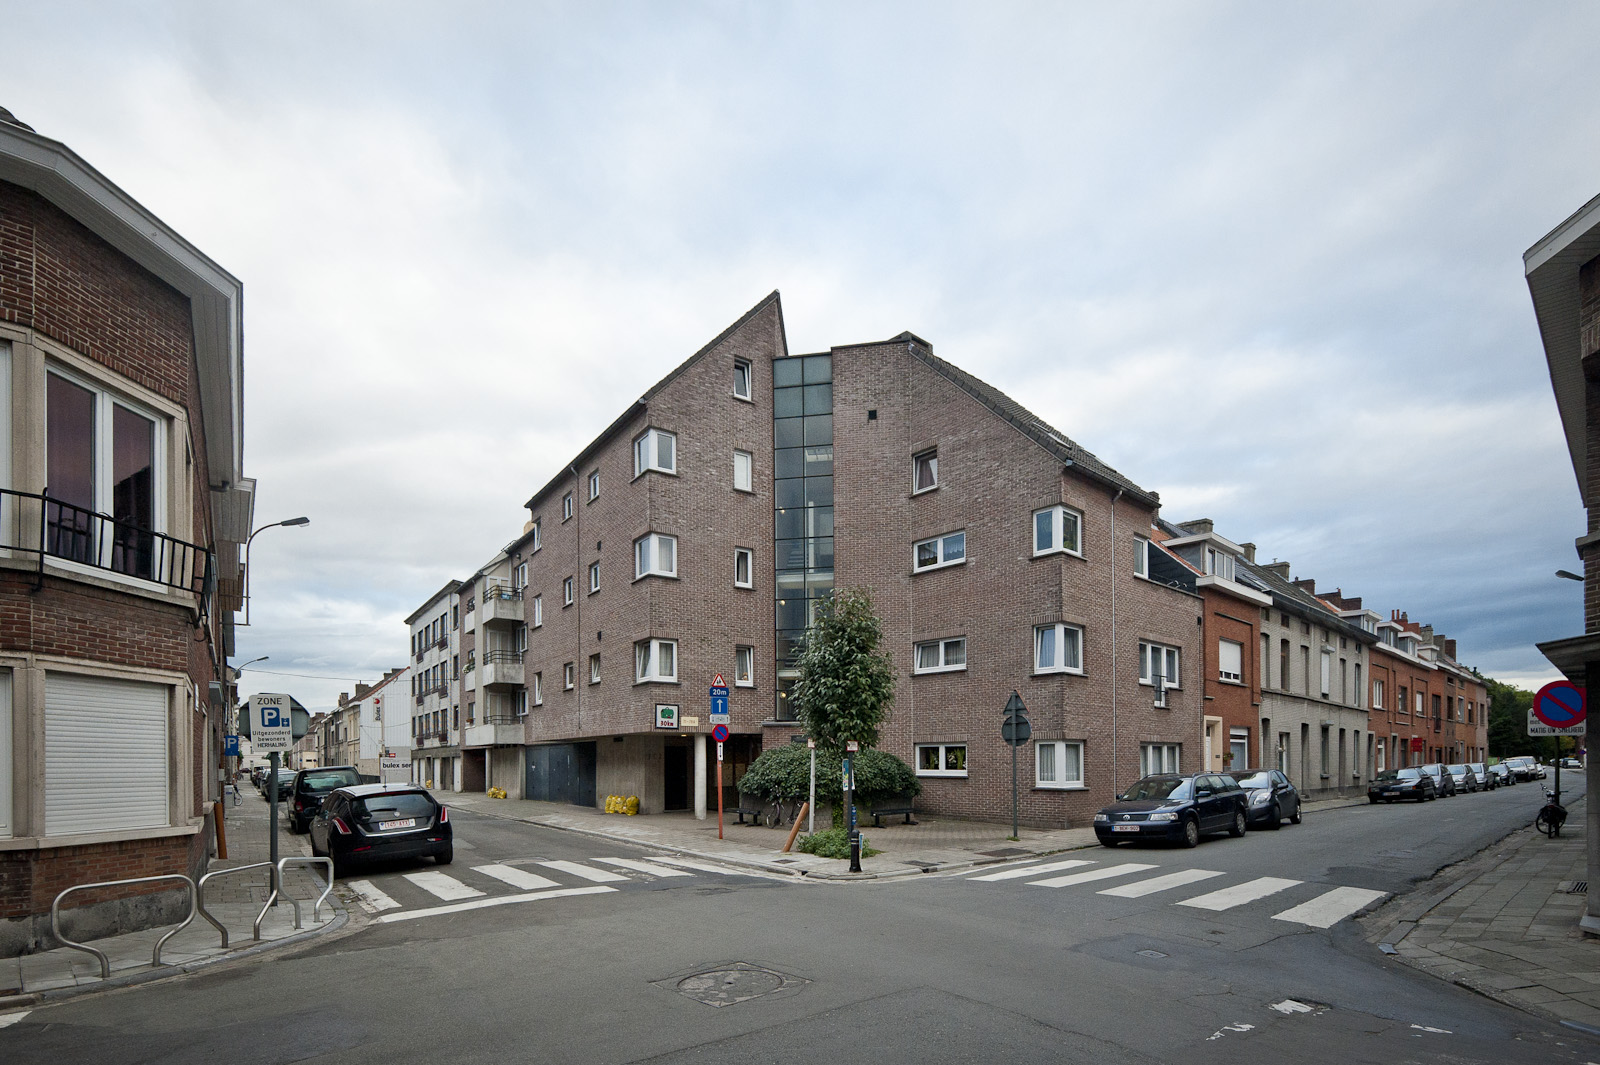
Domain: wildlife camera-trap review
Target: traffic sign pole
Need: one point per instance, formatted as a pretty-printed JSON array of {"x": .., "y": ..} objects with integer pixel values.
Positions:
[{"x": 724, "y": 729}]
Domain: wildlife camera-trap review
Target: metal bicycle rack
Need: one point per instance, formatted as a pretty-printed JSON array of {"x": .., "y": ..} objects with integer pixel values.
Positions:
[
  {"x": 200, "y": 893},
  {"x": 155, "y": 959},
  {"x": 315, "y": 917}
]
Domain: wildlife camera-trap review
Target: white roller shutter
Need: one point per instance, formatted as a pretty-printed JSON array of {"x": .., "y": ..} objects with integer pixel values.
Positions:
[{"x": 105, "y": 754}]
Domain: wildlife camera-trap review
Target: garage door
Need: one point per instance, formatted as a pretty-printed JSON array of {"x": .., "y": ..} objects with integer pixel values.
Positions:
[{"x": 105, "y": 755}]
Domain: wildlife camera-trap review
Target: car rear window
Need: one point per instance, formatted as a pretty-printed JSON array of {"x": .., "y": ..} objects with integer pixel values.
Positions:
[
  {"x": 1157, "y": 788},
  {"x": 390, "y": 807},
  {"x": 330, "y": 779}
]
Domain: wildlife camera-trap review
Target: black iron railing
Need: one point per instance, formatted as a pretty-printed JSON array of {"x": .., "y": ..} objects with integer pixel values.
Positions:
[{"x": 493, "y": 657}]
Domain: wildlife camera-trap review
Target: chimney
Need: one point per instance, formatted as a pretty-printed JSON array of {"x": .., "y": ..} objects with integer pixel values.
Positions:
[
  {"x": 1249, "y": 552},
  {"x": 1280, "y": 569},
  {"x": 1450, "y": 649},
  {"x": 1198, "y": 526},
  {"x": 1307, "y": 585},
  {"x": 362, "y": 689}
]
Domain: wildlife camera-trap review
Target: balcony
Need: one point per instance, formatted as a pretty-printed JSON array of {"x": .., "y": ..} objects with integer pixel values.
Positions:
[
  {"x": 500, "y": 727},
  {"x": 502, "y": 604},
  {"x": 500, "y": 669}
]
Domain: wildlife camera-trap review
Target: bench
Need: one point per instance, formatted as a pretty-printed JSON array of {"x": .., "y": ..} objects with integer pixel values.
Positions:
[
  {"x": 751, "y": 807},
  {"x": 898, "y": 804}
]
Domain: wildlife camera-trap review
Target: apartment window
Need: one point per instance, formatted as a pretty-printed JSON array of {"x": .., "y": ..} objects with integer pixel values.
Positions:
[
  {"x": 566, "y": 506},
  {"x": 940, "y": 551},
  {"x": 1262, "y": 666},
  {"x": 743, "y": 565},
  {"x": 567, "y": 676},
  {"x": 1219, "y": 563},
  {"x": 566, "y": 591},
  {"x": 941, "y": 759},
  {"x": 655, "y": 450},
  {"x": 1057, "y": 529},
  {"x": 1159, "y": 758},
  {"x": 1230, "y": 661},
  {"x": 455, "y": 616},
  {"x": 1419, "y": 710},
  {"x": 741, "y": 379},
  {"x": 1400, "y": 703},
  {"x": 1305, "y": 670},
  {"x": 655, "y": 555},
  {"x": 519, "y": 577},
  {"x": 519, "y": 702},
  {"x": 656, "y": 660},
  {"x": 520, "y": 641},
  {"x": 941, "y": 656},
  {"x": 744, "y": 667},
  {"x": 1327, "y": 673},
  {"x": 1360, "y": 695},
  {"x": 455, "y": 667},
  {"x": 455, "y": 717},
  {"x": 594, "y": 485},
  {"x": 1058, "y": 764},
  {"x": 1057, "y": 648},
  {"x": 1141, "y": 556},
  {"x": 1377, "y": 694},
  {"x": 533, "y": 544},
  {"x": 742, "y": 481},
  {"x": 1159, "y": 660},
  {"x": 925, "y": 471},
  {"x": 594, "y": 669},
  {"x": 594, "y": 577},
  {"x": 538, "y": 611},
  {"x": 536, "y": 686}
]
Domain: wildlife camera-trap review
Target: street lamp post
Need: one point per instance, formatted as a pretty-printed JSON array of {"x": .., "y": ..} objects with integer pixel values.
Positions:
[{"x": 246, "y": 567}]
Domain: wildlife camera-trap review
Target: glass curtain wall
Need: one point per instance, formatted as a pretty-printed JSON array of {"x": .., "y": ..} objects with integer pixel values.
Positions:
[{"x": 802, "y": 433}]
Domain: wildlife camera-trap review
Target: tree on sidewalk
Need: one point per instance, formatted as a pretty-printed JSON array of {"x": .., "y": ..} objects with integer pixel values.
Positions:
[
  {"x": 846, "y": 682},
  {"x": 1508, "y": 720}
]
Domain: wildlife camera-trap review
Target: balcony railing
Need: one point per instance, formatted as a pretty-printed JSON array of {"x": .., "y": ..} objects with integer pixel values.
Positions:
[
  {"x": 36, "y": 524},
  {"x": 493, "y": 657},
  {"x": 497, "y": 590}
]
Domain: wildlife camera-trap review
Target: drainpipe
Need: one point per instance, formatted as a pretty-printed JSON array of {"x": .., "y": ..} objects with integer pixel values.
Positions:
[{"x": 1116, "y": 784}]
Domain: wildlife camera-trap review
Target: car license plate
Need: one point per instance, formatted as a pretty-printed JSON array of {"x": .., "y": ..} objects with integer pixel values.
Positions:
[
  {"x": 1124, "y": 828},
  {"x": 409, "y": 822}
]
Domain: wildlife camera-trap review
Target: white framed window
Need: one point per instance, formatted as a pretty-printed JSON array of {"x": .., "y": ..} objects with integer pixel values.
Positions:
[
  {"x": 655, "y": 555},
  {"x": 1379, "y": 764},
  {"x": 566, "y": 506},
  {"x": 594, "y": 669},
  {"x": 741, "y": 472},
  {"x": 1058, "y": 764},
  {"x": 594, "y": 485},
  {"x": 538, "y": 611},
  {"x": 1159, "y": 758},
  {"x": 1159, "y": 660},
  {"x": 743, "y": 567},
  {"x": 536, "y": 687},
  {"x": 1377, "y": 695},
  {"x": 520, "y": 643},
  {"x": 519, "y": 577},
  {"x": 744, "y": 667},
  {"x": 1327, "y": 673},
  {"x": 519, "y": 702},
  {"x": 741, "y": 379},
  {"x": 1141, "y": 556},
  {"x": 566, "y": 591},
  {"x": 655, "y": 450},
  {"x": 941, "y": 759},
  {"x": 594, "y": 577},
  {"x": 533, "y": 544},
  {"x": 944, "y": 550},
  {"x": 1219, "y": 563},
  {"x": 1057, "y": 529},
  {"x": 568, "y": 676},
  {"x": 925, "y": 471},
  {"x": 1230, "y": 661},
  {"x": 655, "y": 660},
  {"x": 1057, "y": 648},
  {"x": 941, "y": 656}
]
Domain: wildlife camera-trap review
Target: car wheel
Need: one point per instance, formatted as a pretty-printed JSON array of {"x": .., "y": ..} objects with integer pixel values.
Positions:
[
  {"x": 1275, "y": 819},
  {"x": 446, "y": 856},
  {"x": 1239, "y": 826},
  {"x": 1191, "y": 832},
  {"x": 1104, "y": 842},
  {"x": 1294, "y": 818},
  {"x": 1373, "y": 799}
]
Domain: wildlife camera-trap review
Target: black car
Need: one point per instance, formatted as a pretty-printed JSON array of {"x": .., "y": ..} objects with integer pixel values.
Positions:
[
  {"x": 1408, "y": 783},
  {"x": 1442, "y": 780},
  {"x": 1272, "y": 797},
  {"x": 309, "y": 787},
  {"x": 379, "y": 821},
  {"x": 1180, "y": 808},
  {"x": 276, "y": 793}
]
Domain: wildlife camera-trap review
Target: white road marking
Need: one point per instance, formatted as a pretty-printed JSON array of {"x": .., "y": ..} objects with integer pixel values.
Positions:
[
  {"x": 1289, "y": 1005},
  {"x": 496, "y": 900},
  {"x": 1240, "y": 1027},
  {"x": 1139, "y": 889},
  {"x": 690, "y": 863},
  {"x": 1093, "y": 874},
  {"x": 1435, "y": 1031},
  {"x": 1239, "y": 894},
  {"x": 371, "y": 898},
  {"x": 599, "y": 876},
  {"x": 517, "y": 878},
  {"x": 1331, "y": 907},
  {"x": 1048, "y": 867},
  {"x": 643, "y": 867},
  {"x": 12, "y": 1018},
  {"x": 445, "y": 887}
]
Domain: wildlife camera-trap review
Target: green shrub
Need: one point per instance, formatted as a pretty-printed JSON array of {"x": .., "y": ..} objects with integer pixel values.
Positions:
[
  {"x": 833, "y": 843},
  {"x": 783, "y": 774}
]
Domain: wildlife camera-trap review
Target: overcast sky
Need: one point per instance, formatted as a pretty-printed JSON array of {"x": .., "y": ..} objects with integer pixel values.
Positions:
[{"x": 1263, "y": 259}]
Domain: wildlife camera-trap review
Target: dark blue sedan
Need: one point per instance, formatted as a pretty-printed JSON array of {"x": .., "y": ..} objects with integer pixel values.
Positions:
[{"x": 1177, "y": 808}]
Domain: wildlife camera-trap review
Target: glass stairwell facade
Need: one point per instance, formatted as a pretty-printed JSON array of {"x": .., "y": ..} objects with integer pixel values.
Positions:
[{"x": 802, "y": 433}]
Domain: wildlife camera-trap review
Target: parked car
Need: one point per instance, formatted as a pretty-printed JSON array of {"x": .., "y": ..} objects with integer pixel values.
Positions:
[
  {"x": 256, "y": 773},
  {"x": 1272, "y": 797},
  {"x": 285, "y": 781},
  {"x": 368, "y": 822},
  {"x": 1503, "y": 774},
  {"x": 1487, "y": 779},
  {"x": 1526, "y": 767},
  {"x": 1409, "y": 783},
  {"x": 1442, "y": 780},
  {"x": 1571, "y": 763},
  {"x": 1463, "y": 778},
  {"x": 1175, "y": 807},
  {"x": 309, "y": 788}
]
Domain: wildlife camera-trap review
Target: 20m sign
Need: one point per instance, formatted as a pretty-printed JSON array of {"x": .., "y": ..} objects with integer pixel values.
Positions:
[{"x": 1560, "y": 708}]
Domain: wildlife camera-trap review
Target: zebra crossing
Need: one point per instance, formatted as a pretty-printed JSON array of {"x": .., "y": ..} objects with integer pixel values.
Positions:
[
  {"x": 431, "y": 892},
  {"x": 1324, "y": 910}
]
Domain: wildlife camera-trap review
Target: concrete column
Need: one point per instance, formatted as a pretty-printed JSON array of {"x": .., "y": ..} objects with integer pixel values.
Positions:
[{"x": 700, "y": 776}]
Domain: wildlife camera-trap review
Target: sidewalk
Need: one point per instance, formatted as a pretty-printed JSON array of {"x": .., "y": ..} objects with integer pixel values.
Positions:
[
  {"x": 1505, "y": 924},
  {"x": 233, "y": 900}
]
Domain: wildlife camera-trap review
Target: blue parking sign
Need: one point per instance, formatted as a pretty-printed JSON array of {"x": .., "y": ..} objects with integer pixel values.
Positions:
[{"x": 230, "y": 746}]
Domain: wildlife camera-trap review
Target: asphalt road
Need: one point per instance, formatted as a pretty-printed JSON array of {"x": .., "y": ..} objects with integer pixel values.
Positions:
[{"x": 935, "y": 968}]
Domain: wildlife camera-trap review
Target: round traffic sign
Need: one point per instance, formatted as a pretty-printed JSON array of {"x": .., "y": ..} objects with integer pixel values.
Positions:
[
  {"x": 719, "y": 733},
  {"x": 1561, "y": 704}
]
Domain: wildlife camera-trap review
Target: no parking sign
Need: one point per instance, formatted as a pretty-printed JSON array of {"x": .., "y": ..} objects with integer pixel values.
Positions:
[{"x": 1560, "y": 708}]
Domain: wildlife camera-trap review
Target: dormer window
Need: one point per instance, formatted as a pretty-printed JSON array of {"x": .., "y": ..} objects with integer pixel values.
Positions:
[{"x": 1219, "y": 564}]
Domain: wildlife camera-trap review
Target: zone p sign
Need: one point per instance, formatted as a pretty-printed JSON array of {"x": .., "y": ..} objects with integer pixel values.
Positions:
[
  {"x": 1560, "y": 708},
  {"x": 272, "y": 726}
]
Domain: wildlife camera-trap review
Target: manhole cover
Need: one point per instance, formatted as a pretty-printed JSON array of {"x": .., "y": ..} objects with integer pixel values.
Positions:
[
  {"x": 1150, "y": 954},
  {"x": 726, "y": 984}
]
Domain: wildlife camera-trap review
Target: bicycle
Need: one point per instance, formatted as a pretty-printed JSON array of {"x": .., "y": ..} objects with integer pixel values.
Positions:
[
  {"x": 779, "y": 813},
  {"x": 1552, "y": 815}
]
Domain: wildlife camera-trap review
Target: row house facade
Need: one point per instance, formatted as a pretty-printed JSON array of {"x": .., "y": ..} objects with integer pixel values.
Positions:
[
  {"x": 435, "y": 675},
  {"x": 355, "y": 732}
]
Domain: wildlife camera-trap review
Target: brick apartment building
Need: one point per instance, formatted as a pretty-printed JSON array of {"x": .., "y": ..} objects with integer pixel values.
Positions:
[{"x": 122, "y": 507}]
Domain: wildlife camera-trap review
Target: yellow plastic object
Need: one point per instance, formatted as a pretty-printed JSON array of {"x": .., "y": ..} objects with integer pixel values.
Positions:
[
  {"x": 631, "y": 807},
  {"x": 496, "y": 793}
]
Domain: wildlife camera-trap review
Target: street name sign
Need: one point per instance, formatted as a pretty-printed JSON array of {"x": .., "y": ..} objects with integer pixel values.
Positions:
[
  {"x": 1560, "y": 708},
  {"x": 271, "y": 723}
]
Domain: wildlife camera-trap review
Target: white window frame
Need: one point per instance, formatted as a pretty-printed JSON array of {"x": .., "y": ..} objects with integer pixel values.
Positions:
[
  {"x": 647, "y": 452},
  {"x": 569, "y": 676},
  {"x": 538, "y": 611},
  {"x": 594, "y": 485},
  {"x": 743, "y": 375},
  {"x": 1059, "y": 631},
  {"x": 519, "y": 643},
  {"x": 519, "y": 702},
  {"x": 1235, "y": 676},
  {"x": 1219, "y": 563},
  {"x": 647, "y": 556},
  {"x": 932, "y": 457},
  {"x": 519, "y": 577},
  {"x": 1171, "y": 661},
  {"x": 744, "y": 666},
  {"x": 566, "y": 506},
  {"x": 1141, "y": 557},
  {"x": 944, "y": 760},
  {"x": 567, "y": 592},
  {"x": 536, "y": 686},
  {"x": 1327, "y": 673},
  {"x": 748, "y": 557},
  {"x": 942, "y": 652},
  {"x": 1058, "y": 749},
  {"x": 594, "y": 668},
  {"x": 940, "y": 544},
  {"x": 743, "y": 471},
  {"x": 594, "y": 577},
  {"x": 647, "y": 661},
  {"x": 1060, "y": 516},
  {"x": 533, "y": 544},
  {"x": 1153, "y": 758}
]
